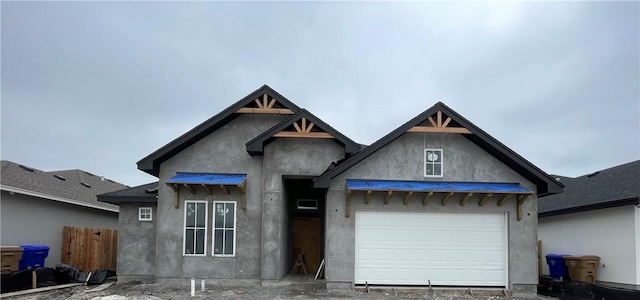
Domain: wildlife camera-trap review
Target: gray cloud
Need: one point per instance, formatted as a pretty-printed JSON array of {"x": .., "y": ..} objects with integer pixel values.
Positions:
[{"x": 100, "y": 85}]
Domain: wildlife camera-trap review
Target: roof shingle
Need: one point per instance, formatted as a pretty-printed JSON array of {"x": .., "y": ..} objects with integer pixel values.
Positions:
[
  {"x": 619, "y": 185},
  {"x": 76, "y": 185}
]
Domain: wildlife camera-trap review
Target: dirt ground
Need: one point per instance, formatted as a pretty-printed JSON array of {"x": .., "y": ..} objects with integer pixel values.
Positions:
[{"x": 157, "y": 291}]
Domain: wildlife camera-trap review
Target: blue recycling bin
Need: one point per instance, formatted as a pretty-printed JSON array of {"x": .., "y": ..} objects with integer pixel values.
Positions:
[
  {"x": 557, "y": 268},
  {"x": 33, "y": 256}
]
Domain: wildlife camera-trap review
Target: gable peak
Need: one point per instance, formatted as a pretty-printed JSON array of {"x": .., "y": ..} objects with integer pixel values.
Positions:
[
  {"x": 439, "y": 121},
  {"x": 265, "y": 103}
]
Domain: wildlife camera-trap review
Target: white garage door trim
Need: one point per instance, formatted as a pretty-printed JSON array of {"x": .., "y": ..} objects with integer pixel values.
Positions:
[{"x": 448, "y": 248}]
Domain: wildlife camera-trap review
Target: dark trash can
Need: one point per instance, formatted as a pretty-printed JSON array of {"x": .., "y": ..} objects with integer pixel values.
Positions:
[
  {"x": 557, "y": 267},
  {"x": 33, "y": 256}
]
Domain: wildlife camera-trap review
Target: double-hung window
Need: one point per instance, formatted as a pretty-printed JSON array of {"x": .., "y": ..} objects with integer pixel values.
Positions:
[
  {"x": 195, "y": 227},
  {"x": 433, "y": 163},
  {"x": 224, "y": 228}
]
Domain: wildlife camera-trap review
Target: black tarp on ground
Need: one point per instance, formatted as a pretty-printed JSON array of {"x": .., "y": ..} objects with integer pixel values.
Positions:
[
  {"x": 61, "y": 274},
  {"x": 549, "y": 287},
  {"x": 576, "y": 290},
  {"x": 68, "y": 273},
  {"x": 22, "y": 280},
  {"x": 611, "y": 293}
]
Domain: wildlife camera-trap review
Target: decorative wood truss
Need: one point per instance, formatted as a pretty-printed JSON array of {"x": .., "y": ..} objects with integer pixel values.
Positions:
[
  {"x": 266, "y": 105},
  {"x": 438, "y": 125},
  {"x": 303, "y": 129},
  {"x": 444, "y": 192}
]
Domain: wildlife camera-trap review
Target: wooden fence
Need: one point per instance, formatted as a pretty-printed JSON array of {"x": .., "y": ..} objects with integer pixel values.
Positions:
[{"x": 89, "y": 249}]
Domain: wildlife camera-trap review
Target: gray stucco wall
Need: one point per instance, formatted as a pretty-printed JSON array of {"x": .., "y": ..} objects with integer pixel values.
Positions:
[
  {"x": 293, "y": 157},
  {"x": 403, "y": 159},
  {"x": 223, "y": 151},
  {"x": 261, "y": 236},
  {"x": 31, "y": 220},
  {"x": 136, "y": 243}
]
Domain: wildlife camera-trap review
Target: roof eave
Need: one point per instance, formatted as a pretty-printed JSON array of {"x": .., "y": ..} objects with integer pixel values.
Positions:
[
  {"x": 131, "y": 199},
  {"x": 545, "y": 183},
  {"x": 151, "y": 163},
  {"x": 321, "y": 182},
  {"x": 56, "y": 198},
  {"x": 596, "y": 206},
  {"x": 256, "y": 145}
]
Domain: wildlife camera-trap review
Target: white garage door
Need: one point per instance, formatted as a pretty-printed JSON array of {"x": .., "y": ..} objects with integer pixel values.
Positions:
[{"x": 410, "y": 248}]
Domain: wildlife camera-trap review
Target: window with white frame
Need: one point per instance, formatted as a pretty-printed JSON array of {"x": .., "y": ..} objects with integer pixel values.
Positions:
[
  {"x": 144, "y": 214},
  {"x": 224, "y": 228},
  {"x": 433, "y": 163},
  {"x": 195, "y": 227}
]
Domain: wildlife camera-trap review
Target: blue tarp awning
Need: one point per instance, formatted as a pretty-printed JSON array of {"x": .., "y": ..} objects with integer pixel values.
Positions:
[
  {"x": 466, "y": 190},
  {"x": 208, "y": 178},
  {"x": 438, "y": 186}
]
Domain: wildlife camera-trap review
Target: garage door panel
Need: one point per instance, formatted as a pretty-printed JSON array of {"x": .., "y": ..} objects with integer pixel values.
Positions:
[{"x": 410, "y": 248}]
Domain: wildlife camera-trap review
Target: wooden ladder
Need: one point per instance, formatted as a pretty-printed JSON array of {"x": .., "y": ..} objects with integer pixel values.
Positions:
[{"x": 301, "y": 261}]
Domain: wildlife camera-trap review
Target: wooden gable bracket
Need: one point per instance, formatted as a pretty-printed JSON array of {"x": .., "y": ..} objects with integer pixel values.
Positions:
[
  {"x": 484, "y": 199},
  {"x": 466, "y": 197},
  {"x": 446, "y": 198},
  {"x": 387, "y": 196},
  {"x": 193, "y": 191},
  {"x": 224, "y": 189},
  {"x": 243, "y": 192},
  {"x": 176, "y": 194},
  {"x": 207, "y": 188},
  {"x": 407, "y": 197},
  {"x": 265, "y": 107},
  {"x": 347, "y": 207},
  {"x": 439, "y": 126},
  {"x": 521, "y": 200},
  {"x": 303, "y": 131},
  {"x": 367, "y": 197},
  {"x": 504, "y": 197},
  {"x": 426, "y": 198}
]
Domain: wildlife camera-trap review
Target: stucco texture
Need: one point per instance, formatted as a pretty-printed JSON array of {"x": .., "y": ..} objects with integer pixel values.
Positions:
[
  {"x": 403, "y": 159},
  {"x": 136, "y": 242},
  {"x": 222, "y": 151},
  {"x": 287, "y": 157}
]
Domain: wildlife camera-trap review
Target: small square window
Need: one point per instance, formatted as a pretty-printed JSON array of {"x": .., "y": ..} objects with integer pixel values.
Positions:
[
  {"x": 433, "y": 163},
  {"x": 144, "y": 214}
]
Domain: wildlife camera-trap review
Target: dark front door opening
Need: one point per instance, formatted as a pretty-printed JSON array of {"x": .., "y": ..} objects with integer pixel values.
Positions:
[{"x": 304, "y": 223}]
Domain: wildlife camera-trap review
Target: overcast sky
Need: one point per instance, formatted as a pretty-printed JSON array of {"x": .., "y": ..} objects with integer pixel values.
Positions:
[{"x": 98, "y": 86}]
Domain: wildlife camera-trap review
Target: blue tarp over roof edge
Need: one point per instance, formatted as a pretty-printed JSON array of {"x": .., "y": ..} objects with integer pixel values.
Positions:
[
  {"x": 208, "y": 178},
  {"x": 439, "y": 186}
]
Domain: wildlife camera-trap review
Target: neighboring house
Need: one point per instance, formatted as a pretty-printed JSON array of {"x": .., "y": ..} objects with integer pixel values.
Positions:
[
  {"x": 36, "y": 205},
  {"x": 241, "y": 195},
  {"x": 598, "y": 214}
]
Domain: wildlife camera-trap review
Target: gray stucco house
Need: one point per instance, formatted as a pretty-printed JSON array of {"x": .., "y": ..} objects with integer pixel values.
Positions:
[
  {"x": 35, "y": 205},
  {"x": 241, "y": 195}
]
